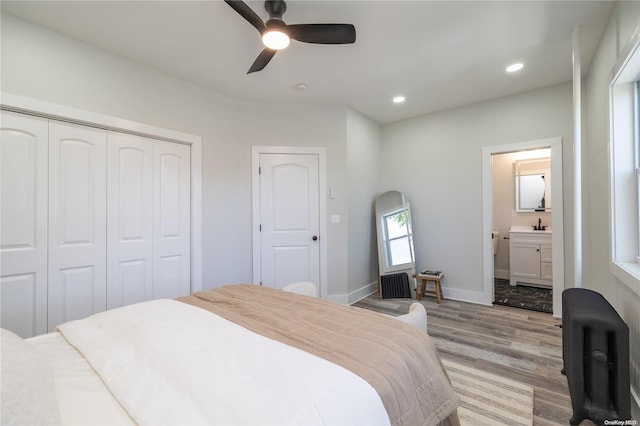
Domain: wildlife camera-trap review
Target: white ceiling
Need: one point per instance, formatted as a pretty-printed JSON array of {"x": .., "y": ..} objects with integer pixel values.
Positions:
[{"x": 439, "y": 54}]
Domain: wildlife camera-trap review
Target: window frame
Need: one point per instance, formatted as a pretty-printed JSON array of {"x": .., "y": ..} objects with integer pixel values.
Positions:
[
  {"x": 624, "y": 169},
  {"x": 387, "y": 241},
  {"x": 636, "y": 136}
]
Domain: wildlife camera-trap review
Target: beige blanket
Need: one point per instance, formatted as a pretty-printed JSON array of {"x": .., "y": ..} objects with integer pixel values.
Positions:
[{"x": 398, "y": 360}]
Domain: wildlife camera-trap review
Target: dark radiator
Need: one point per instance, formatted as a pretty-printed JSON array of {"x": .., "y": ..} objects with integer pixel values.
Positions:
[
  {"x": 395, "y": 286},
  {"x": 595, "y": 352}
]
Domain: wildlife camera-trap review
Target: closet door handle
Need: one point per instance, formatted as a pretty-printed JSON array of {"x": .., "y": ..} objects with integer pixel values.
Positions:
[{"x": 314, "y": 238}]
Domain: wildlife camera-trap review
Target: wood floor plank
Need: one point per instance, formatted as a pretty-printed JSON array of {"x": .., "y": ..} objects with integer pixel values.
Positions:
[{"x": 521, "y": 345}]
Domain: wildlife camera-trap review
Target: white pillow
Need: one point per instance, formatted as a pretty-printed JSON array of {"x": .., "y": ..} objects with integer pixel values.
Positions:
[
  {"x": 417, "y": 316},
  {"x": 26, "y": 390},
  {"x": 302, "y": 287}
]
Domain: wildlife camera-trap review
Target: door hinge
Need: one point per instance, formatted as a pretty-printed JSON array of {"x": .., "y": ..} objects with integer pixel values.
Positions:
[
  {"x": 260, "y": 228},
  {"x": 259, "y": 170}
]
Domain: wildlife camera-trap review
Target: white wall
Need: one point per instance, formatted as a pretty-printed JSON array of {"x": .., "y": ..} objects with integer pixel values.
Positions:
[
  {"x": 291, "y": 125},
  {"x": 436, "y": 161},
  {"x": 364, "y": 163},
  {"x": 44, "y": 65},
  {"x": 624, "y": 21}
]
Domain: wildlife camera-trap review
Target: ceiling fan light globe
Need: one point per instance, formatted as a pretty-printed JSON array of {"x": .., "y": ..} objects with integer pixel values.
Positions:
[{"x": 275, "y": 39}]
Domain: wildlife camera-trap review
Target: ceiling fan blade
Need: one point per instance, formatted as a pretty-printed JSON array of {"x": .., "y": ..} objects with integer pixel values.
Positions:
[
  {"x": 247, "y": 13},
  {"x": 262, "y": 60},
  {"x": 323, "y": 33}
]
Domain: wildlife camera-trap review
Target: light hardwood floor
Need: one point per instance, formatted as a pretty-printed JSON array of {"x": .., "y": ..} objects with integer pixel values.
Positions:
[{"x": 518, "y": 344}]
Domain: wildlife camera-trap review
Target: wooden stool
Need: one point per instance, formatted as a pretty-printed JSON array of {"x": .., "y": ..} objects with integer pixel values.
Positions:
[{"x": 423, "y": 284}]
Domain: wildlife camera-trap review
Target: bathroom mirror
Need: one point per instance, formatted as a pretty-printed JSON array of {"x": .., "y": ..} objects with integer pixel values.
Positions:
[
  {"x": 533, "y": 185},
  {"x": 395, "y": 236}
]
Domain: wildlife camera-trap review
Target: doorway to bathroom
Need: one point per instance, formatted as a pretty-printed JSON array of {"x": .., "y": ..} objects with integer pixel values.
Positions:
[
  {"x": 523, "y": 226},
  {"x": 522, "y": 201}
]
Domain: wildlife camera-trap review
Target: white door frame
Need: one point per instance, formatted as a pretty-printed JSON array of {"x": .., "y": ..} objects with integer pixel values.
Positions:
[
  {"x": 18, "y": 103},
  {"x": 557, "y": 216},
  {"x": 255, "y": 206}
]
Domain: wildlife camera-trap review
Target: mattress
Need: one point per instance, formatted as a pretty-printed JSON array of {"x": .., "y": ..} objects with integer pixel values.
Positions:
[
  {"x": 287, "y": 360},
  {"x": 166, "y": 362}
]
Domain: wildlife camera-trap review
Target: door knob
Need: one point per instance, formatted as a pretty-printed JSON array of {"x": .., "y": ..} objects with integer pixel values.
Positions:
[{"x": 314, "y": 238}]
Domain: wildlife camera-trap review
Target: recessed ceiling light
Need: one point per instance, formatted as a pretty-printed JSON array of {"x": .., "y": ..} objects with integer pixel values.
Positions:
[
  {"x": 515, "y": 67},
  {"x": 398, "y": 99},
  {"x": 301, "y": 86}
]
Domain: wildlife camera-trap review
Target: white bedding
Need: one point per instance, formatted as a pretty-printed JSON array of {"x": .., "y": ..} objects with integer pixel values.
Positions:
[
  {"x": 82, "y": 397},
  {"x": 167, "y": 362}
]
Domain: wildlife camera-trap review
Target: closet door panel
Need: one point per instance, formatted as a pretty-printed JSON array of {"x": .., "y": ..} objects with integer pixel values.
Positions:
[
  {"x": 171, "y": 220},
  {"x": 129, "y": 219},
  {"x": 75, "y": 293},
  {"x": 77, "y": 222},
  {"x": 19, "y": 300},
  {"x": 23, "y": 233}
]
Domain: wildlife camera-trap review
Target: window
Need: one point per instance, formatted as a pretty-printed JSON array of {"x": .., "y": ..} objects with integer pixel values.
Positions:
[
  {"x": 637, "y": 157},
  {"x": 398, "y": 240},
  {"x": 625, "y": 171}
]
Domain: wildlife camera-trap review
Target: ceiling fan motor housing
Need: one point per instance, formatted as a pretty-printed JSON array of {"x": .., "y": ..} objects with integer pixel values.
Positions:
[
  {"x": 275, "y": 8},
  {"x": 276, "y": 24}
]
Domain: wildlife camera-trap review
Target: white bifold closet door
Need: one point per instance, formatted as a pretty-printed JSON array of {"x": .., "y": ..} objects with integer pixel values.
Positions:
[
  {"x": 77, "y": 222},
  {"x": 130, "y": 216},
  {"x": 90, "y": 220},
  {"x": 148, "y": 255},
  {"x": 23, "y": 216},
  {"x": 171, "y": 220}
]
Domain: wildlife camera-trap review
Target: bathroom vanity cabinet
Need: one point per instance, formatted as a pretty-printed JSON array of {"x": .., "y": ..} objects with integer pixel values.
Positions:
[{"x": 530, "y": 257}]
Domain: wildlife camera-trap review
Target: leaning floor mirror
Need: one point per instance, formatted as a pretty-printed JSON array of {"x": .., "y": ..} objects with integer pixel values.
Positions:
[{"x": 396, "y": 256}]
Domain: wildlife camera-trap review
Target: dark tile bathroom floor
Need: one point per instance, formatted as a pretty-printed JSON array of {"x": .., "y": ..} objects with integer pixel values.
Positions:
[{"x": 532, "y": 298}]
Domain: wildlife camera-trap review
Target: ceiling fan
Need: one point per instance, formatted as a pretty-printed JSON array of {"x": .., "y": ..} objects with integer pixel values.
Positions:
[{"x": 276, "y": 34}]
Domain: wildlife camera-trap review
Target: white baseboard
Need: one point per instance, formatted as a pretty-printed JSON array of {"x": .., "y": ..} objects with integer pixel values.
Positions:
[
  {"x": 447, "y": 293},
  {"x": 363, "y": 292},
  {"x": 464, "y": 296},
  {"x": 354, "y": 296}
]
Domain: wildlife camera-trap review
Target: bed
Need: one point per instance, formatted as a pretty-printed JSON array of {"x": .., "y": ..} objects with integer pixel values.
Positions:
[{"x": 239, "y": 354}]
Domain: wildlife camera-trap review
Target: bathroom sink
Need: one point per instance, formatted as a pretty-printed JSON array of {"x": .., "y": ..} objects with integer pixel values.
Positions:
[{"x": 530, "y": 229}]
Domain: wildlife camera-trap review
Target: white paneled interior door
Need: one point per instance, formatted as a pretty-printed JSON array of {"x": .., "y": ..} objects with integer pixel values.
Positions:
[
  {"x": 289, "y": 219},
  {"x": 23, "y": 218},
  {"x": 171, "y": 220},
  {"x": 129, "y": 219},
  {"x": 77, "y": 222}
]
